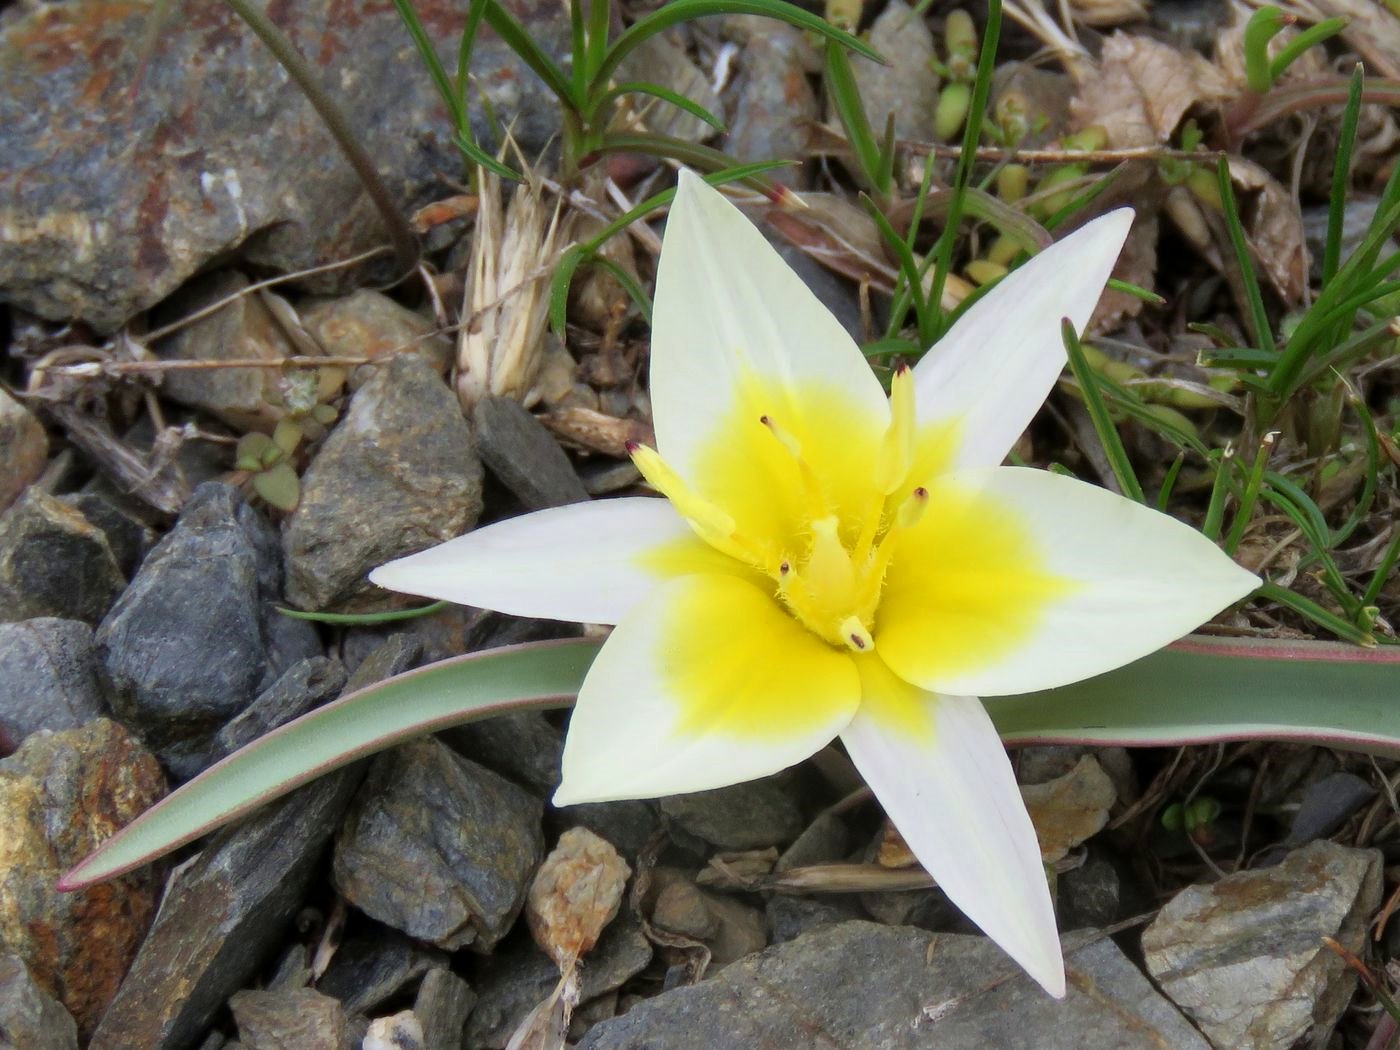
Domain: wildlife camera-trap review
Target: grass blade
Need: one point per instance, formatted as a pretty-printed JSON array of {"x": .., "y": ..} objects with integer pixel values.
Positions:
[
  {"x": 1258, "y": 317},
  {"x": 675, "y": 98},
  {"x": 1341, "y": 177},
  {"x": 845, "y": 99},
  {"x": 1113, "y": 448},
  {"x": 518, "y": 39}
]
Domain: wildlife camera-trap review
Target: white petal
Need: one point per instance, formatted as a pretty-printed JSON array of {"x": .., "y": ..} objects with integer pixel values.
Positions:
[
  {"x": 729, "y": 315},
  {"x": 951, "y": 793},
  {"x": 994, "y": 369},
  {"x": 1018, "y": 580},
  {"x": 707, "y": 682},
  {"x": 587, "y": 562}
]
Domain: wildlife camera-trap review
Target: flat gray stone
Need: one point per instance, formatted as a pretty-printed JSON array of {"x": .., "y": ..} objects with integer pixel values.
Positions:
[
  {"x": 367, "y": 323},
  {"x": 54, "y": 562},
  {"x": 196, "y": 636},
  {"x": 443, "y": 1003},
  {"x": 439, "y": 847},
  {"x": 751, "y": 815},
  {"x": 302, "y": 1019},
  {"x": 523, "y": 455},
  {"x": 398, "y": 474},
  {"x": 30, "y": 1018},
  {"x": 120, "y": 182},
  {"x": 50, "y": 677},
  {"x": 375, "y": 965},
  {"x": 1243, "y": 956},
  {"x": 860, "y": 984},
  {"x": 906, "y": 88}
]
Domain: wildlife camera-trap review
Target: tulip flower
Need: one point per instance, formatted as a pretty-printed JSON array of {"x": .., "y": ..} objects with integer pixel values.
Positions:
[{"x": 833, "y": 563}]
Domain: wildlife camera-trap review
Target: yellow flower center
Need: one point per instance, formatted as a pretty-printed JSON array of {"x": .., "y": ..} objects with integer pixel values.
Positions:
[{"x": 827, "y": 569}]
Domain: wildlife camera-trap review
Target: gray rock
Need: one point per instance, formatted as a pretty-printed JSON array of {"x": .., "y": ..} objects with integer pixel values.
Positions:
[
  {"x": 372, "y": 967},
  {"x": 245, "y": 329},
  {"x": 790, "y": 917},
  {"x": 50, "y": 678},
  {"x": 215, "y": 151},
  {"x": 196, "y": 636},
  {"x": 824, "y": 841},
  {"x": 1091, "y": 894},
  {"x": 523, "y": 745},
  {"x": 859, "y": 984},
  {"x": 628, "y": 824},
  {"x": 513, "y": 981},
  {"x": 303, "y": 1019},
  {"x": 750, "y": 815},
  {"x": 1326, "y": 805},
  {"x": 1243, "y": 957},
  {"x": 664, "y": 60},
  {"x": 129, "y": 538},
  {"x": 523, "y": 455},
  {"x": 53, "y": 562},
  {"x": 775, "y": 102},
  {"x": 24, "y": 449},
  {"x": 227, "y": 913},
  {"x": 906, "y": 87},
  {"x": 367, "y": 323},
  {"x": 398, "y": 474},
  {"x": 443, "y": 1003},
  {"x": 61, "y": 795},
  {"x": 30, "y": 1018},
  {"x": 439, "y": 847},
  {"x": 305, "y": 685}
]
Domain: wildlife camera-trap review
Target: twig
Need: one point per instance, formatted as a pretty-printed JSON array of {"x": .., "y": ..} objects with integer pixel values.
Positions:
[{"x": 1061, "y": 156}]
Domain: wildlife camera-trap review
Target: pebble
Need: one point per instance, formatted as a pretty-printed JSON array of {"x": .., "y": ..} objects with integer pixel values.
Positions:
[
  {"x": 302, "y": 1019},
  {"x": 860, "y": 984},
  {"x": 53, "y": 562},
  {"x": 750, "y": 815},
  {"x": 523, "y": 745},
  {"x": 443, "y": 1003},
  {"x": 115, "y": 197},
  {"x": 61, "y": 795},
  {"x": 30, "y": 1018},
  {"x": 775, "y": 102},
  {"x": 517, "y": 977},
  {"x": 523, "y": 455},
  {"x": 399, "y": 473},
  {"x": 228, "y": 913},
  {"x": 1243, "y": 956},
  {"x": 375, "y": 965},
  {"x": 1070, "y": 808},
  {"x": 367, "y": 323},
  {"x": 439, "y": 847},
  {"x": 196, "y": 637},
  {"x": 244, "y": 398},
  {"x": 50, "y": 678},
  {"x": 24, "y": 449},
  {"x": 906, "y": 88},
  {"x": 128, "y": 537}
]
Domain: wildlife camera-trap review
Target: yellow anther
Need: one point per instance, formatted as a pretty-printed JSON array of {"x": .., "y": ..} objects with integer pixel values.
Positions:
[
  {"x": 856, "y": 637},
  {"x": 811, "y": 488},
  {"x": 912, "y": 509},
  {"x": 896, "y": 455}
]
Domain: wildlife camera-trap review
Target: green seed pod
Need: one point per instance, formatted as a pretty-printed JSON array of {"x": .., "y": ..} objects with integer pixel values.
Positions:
[
  {"x": 1012, "y": 182},
  {"x": 960, "y": 40},
  {"x": 983, "y": 271},
  {"x": 1094, "y": 137},
  {"x": 844, "y": 14},
  {"x": 1206, "y": 189},
  {"x": 1045, "y": 206},
  {"x": 1003, "y": 250},
  {"x": 953, "y": 103},
  {"x": 1012, "y": 117}
]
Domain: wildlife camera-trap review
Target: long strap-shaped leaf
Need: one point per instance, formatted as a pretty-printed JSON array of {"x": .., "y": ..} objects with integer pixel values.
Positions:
[
  {"x": 448, "y": 693},
  {"x": 1206, "y": 690},
  {"x": 1196, "y": 691}
]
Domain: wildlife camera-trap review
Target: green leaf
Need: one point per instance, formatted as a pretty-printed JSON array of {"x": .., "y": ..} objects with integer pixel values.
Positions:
[
  {"x": 248, "y": 455},
  {"x": 1113, "y": 448},
  {"x": 1310, "y": 37},
  {"x": 541, "y": 674},
  {"x": 279, "y": 485},
  {"x": 675, "y": 98},
  {"x": 1196, "y": 691},
  {"x": 684, "y": 10},
  {"x": 1204, "y": 690},
  {"x": 479, "y": 156},
  {"x": 361, "y": 619},
  {"x": 845, "y": 99},
  {"x": 429, "y": 57},
  {"x": 1259, "y": 319},
  {"x": 287, "y": 434},
  {"x": 1263, "y": 26},
  {"x": 1341, "y": 176}
]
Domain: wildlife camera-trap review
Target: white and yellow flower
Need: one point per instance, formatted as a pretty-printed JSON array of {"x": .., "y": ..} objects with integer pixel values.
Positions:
[{"x": 831, "y": 563}]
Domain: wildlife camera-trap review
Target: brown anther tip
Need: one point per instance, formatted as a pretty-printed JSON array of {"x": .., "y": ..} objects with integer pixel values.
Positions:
[
  {"x": 920, "y": 492},
  {"x": 902, "y": 369},
  {"x": 784, "y": 569},
  {"x": 765, "y": 421},
  {"x": 858, "y": 641},
  {"x": 631, "y": 447}
]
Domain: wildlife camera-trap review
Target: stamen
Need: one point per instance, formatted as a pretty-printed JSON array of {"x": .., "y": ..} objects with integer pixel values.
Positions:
[
  {"x": 708, "y": 521},
  {"x": 896, "y": 455},
  {"x": 912, "y": 509},
  {"x": 811, "y": 488},
  {"x": 854, "y": 634}
]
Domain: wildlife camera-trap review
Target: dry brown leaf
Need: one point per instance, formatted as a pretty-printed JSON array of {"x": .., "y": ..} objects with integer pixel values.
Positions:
[
  {"x": 1137, "y": 264},
  {"x": 597, "y": 431},
  {"x": 1373, "y": 30},
  {"x": 1142, "y": 88}
]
